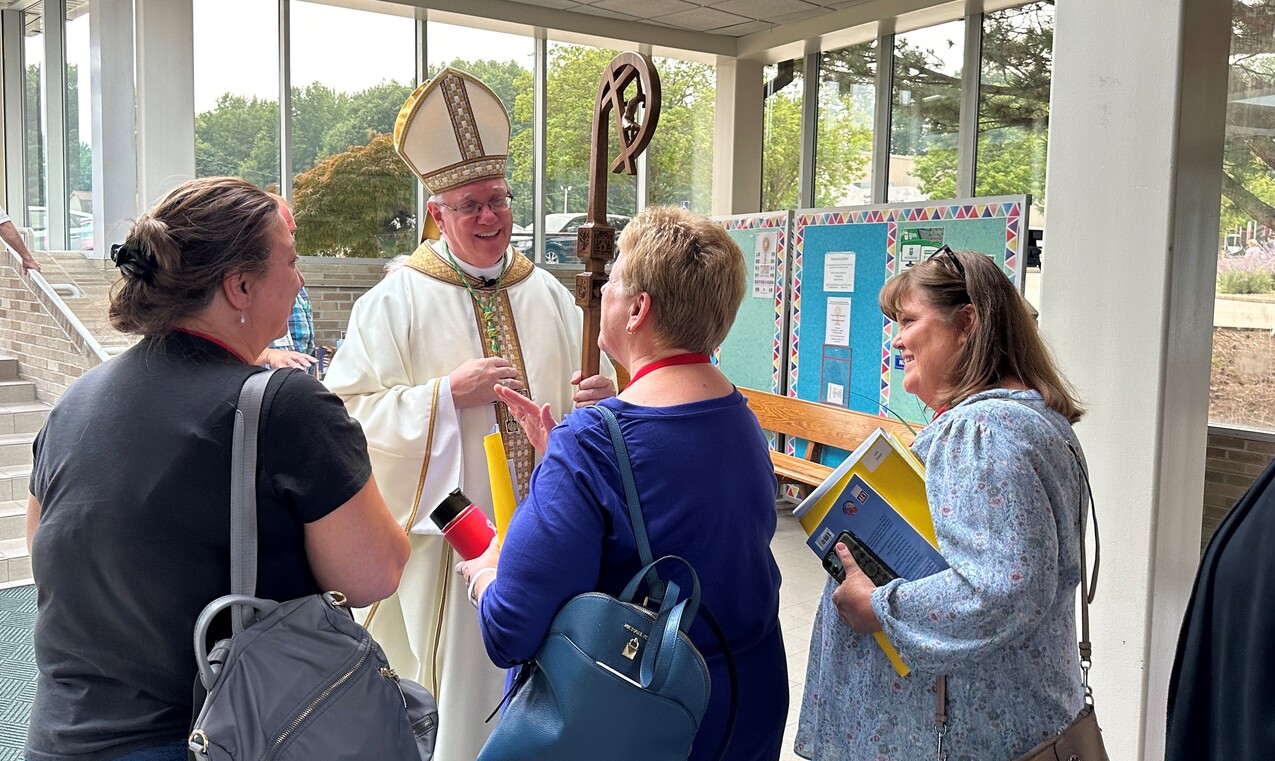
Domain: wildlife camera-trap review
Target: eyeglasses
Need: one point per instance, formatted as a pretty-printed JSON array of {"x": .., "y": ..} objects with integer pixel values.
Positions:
[
  {"x": 474, "y": 208},
  {"x": 945, "y": 250}
]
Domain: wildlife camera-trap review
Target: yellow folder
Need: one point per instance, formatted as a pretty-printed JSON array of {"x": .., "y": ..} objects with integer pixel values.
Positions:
[{"x": 890, "y": 468}]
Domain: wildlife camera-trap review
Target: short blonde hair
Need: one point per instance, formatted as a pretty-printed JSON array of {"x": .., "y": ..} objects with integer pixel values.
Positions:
[{"x": 693, "y": 272}]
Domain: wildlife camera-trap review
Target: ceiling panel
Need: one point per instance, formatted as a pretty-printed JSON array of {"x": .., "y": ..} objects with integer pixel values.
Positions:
[{"x": 733, "y": 18}]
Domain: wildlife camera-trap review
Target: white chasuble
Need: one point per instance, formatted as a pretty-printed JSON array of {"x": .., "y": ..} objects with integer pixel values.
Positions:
[{"x": 405, "y": 336}]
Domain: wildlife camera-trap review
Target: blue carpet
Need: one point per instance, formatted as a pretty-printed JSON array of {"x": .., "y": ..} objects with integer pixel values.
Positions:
[{"x": 17, "y": 668}]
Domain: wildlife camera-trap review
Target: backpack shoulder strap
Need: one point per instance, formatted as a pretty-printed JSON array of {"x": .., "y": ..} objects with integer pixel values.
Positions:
[{"x": 243, "y": 495}]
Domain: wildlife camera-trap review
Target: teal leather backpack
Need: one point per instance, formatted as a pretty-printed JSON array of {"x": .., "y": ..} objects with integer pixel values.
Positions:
[{"x": 614, "y": 679}]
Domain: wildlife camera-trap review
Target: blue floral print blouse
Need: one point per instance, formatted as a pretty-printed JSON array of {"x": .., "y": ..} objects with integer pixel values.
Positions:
[{"x": 1005, "y": 493}]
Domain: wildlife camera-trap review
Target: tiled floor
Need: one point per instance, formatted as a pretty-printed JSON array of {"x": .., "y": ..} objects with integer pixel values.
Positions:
[
  {"x": 803, "y": 582},
  {"x": 17, "y": 668}
]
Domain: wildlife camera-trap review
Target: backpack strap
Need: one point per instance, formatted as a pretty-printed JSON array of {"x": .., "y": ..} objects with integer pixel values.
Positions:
[
  {"x": 1088, "y": 588},
  {"x": 243, "y": 496},
  {"x": 655, "y": 586}
]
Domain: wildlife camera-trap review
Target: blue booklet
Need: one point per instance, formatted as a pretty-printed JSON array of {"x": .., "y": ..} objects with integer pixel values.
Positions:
[{"x": 860, "y": 510}]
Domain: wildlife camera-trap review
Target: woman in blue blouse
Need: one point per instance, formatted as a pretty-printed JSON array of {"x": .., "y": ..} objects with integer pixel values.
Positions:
[
  {"x": 1005, "y": 494},
  {"x": 703, "y": 476}
]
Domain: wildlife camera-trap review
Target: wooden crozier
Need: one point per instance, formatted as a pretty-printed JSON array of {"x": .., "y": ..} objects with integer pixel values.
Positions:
[{"x": 635, "y": 120}]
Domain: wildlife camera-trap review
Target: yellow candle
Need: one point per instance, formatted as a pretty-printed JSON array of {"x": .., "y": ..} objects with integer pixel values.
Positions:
[{"x": 503, "y": 501}]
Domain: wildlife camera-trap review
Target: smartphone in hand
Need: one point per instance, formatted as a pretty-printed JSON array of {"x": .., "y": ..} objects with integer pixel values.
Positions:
[{"x": 872, "y": 566}]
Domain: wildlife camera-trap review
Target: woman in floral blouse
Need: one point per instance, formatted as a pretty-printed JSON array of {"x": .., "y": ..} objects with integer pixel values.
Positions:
[{"x": 1005, "y": 493}]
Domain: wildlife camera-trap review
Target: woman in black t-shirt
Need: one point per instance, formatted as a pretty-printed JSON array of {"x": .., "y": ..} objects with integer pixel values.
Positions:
[{"x": 129, "y": 514}]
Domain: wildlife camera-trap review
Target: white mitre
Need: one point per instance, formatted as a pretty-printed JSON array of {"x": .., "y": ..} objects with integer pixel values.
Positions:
[{"x": 453, "y": 131}]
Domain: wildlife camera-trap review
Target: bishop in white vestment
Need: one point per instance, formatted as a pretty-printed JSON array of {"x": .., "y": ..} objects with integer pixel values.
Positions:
[{"x": 422, "y": 354}]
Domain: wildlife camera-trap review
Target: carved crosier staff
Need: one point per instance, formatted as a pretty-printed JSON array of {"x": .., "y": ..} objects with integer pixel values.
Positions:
[{"x": 635, "y": 121}]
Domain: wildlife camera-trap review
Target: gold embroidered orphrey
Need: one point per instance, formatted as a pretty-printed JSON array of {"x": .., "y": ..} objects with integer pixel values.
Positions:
[
  {"x": 430, "y": 262},
  {"x": 462, "y": 116}
]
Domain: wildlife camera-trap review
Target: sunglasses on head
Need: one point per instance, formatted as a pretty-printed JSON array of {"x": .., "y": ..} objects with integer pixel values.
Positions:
[{"x": 950, "y": 256}]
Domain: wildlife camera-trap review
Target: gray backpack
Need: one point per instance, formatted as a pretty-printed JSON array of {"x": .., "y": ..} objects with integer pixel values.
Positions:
[{"x": 299, "y": 679}]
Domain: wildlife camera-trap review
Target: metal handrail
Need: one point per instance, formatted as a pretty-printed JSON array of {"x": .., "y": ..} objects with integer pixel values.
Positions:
[{"x": 54, "y": 300}]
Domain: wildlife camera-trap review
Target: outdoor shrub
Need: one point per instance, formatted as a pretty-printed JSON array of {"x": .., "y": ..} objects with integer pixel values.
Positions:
[{"x": 1251, "y": 273}]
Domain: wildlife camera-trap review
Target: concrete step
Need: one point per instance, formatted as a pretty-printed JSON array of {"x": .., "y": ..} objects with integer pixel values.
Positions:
[
  {"x": 15, "y": 560},
  {"x": 8, "y": 369},
  {"x": 13, "y": 520},
  {"x": 12, "y": 391},
  {"x": 15, "y": 481},
  {"x": 15, "y": 449},
  {"x": 22, "y": 417}
]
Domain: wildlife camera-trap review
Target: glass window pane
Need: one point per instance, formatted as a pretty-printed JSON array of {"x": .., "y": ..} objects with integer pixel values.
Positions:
[
  {"x": 781, "y": 135},
  {"x": 507, "y": 66},
  {"x": 351, "y": 72},
  {"x": 79, "y": 130},
  {"x": 680, "y": 156},
  {"x": 574, "y": 74},
  {"x": 843, "y": 146},
  {"x": 1242, "y": 390},
  {"x": 926, "y": 113},
  {"x": 35, "y": 137},
  {"x": 1013, "y": 115},
  {"x": 237, "y": 96}
]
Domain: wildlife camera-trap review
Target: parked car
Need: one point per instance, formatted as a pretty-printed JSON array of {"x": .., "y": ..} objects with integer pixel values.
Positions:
[
  {"x": 521, "y": 238},
  {"x": 560, "y": 235}
]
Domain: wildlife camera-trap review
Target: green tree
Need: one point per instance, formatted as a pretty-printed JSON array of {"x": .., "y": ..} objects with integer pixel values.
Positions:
[
  {"x": 37, "y": 194},
  {"x": 1013, "y": 115},
  {"x": 781, "y": 152},
  {"x": 359, "y": 202},
  {"x": 316, "y": 109},
  {"x": 680, "y": 158},
  {"x": 574, "y": 73},
  {"x": 79, "y": 162},
  {"x": 368, "y": 113},
  {"x": 239, "y": 137},
  {"x": 844, "y": 146},
  {"x": 1248, "y": 163}
]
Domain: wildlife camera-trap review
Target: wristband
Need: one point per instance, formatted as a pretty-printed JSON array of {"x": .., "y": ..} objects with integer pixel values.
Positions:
[{"x": 473, "y": 582}]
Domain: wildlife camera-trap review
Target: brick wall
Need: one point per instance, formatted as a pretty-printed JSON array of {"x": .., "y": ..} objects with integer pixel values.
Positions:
[
  {"x": 1235, "y": 458},
  {"x": 50, "y": 352},
  {"x": 333, "y": 285}
]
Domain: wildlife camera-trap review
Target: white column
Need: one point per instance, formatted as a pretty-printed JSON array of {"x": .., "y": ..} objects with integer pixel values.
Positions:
[
  {"x": 1135, "y": 153},
  {"x": 115, "y": 198},
  {"x": 165, "y": 96},
  {"x": 285, "y": 99},
  {"x": 53, "y": 88},
  {"x": 14, "y": 123},
  {"x": 737, "y": 137}
]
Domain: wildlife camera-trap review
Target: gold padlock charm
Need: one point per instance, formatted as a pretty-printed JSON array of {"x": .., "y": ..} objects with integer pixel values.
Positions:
[{"x": 631, "y": 649}]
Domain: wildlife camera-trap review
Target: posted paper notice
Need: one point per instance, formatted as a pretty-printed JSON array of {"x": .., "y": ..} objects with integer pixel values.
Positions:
[
  {"x": 838, "y": 271},
  {"x": 837, "y": 328},
  {"x": 764, "y": 264}
]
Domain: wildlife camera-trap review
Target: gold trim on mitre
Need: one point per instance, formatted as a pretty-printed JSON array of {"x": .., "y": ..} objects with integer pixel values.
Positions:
[{"x": 452, "y": 131}]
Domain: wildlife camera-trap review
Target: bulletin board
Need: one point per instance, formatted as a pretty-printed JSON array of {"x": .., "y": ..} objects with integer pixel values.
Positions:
[
  {"x": 753, "y": 353},
  {"x": 839, "y": 349}
]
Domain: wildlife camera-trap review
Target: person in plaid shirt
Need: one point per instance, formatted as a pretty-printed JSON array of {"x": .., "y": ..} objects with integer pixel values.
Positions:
[{"x": 296, "y": 347}]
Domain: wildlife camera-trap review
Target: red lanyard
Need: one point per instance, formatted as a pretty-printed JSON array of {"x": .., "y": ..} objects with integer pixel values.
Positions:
[
  {"x": 217, "y": 341},
  {"x": 676, "y": 359}
]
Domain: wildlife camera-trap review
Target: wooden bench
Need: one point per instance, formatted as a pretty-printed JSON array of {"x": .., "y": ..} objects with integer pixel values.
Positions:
[{"x": 820, "y": 425}]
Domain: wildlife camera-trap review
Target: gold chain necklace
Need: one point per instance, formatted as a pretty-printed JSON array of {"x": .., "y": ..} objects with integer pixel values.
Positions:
[{"x": 487, "y": 306}]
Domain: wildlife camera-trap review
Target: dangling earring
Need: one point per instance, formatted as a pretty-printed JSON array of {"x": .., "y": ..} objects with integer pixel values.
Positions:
[{"x": 242, "y": 318}]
